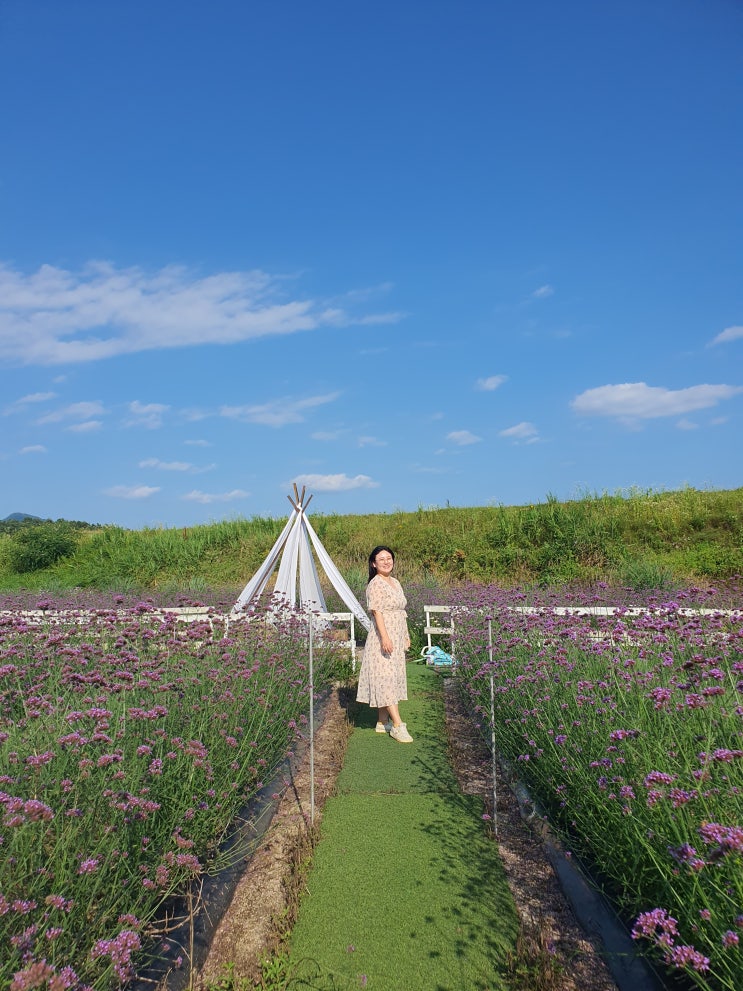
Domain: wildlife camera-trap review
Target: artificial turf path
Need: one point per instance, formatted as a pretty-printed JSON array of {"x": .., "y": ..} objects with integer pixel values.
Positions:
[{"x": 406, "y": 891}]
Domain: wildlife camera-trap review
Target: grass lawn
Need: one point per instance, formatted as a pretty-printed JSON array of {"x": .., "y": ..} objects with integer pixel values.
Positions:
[{"x": 406, "y": 890}]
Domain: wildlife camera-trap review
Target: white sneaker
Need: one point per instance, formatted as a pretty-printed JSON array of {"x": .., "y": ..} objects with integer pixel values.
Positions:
[
  {"x": 383, "y": 727},
  {"x": 400, "y": 733}
]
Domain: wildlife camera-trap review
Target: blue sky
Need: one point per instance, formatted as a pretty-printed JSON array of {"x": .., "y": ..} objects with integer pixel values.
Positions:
[{"x": 405, "y": 253}]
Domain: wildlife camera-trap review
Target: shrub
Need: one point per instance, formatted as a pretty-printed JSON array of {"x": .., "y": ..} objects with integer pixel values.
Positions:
[
  {"x": 36, "y": 547},
  {"x": 645, "y": 575}
]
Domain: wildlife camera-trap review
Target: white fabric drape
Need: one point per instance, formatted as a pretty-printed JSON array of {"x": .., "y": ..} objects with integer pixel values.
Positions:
[
  {"x": 286, "y": 582},
  {"x": 337, "y": 579},
  {"x": 294, "y": 541},
  {"x": 309, "y": 582},
  {"x": 260, "y": 579}
]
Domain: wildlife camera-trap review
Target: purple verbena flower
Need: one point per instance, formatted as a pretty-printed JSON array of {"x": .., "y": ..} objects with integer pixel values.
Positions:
[{"x": 687, "y": 956}]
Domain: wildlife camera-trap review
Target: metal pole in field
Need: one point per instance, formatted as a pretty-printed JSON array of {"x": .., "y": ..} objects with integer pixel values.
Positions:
[
  {"x": 312, "y": 724},
  {"x": 492, "y": 727}
]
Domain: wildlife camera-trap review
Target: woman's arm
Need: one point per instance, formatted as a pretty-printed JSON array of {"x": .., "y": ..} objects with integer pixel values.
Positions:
[
  {"x": 407, "y": 631},
  {"x": 384, "y": 637}
]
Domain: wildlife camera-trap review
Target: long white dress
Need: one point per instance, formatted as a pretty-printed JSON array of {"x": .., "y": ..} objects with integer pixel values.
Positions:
[{"x": 382, "y": 678}]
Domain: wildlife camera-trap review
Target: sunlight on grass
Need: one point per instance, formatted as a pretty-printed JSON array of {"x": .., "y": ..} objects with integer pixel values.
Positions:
[{"x": 406, "y": 889}]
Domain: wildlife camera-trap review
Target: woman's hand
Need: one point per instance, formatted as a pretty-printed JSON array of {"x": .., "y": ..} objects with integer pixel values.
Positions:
[{"x": 386, "y": 644}]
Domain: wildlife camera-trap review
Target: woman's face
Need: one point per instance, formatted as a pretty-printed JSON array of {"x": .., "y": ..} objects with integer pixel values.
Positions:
[{"x": 385, "y": 563}]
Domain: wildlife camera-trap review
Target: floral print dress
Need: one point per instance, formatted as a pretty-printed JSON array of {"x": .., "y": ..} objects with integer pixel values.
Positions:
[{"x": 382, "y": 678}]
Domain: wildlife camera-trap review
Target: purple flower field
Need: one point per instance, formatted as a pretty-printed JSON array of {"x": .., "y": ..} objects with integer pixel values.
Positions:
[
  {"x": 628, "y": 729},
  {"x": 128, "y": 744}
]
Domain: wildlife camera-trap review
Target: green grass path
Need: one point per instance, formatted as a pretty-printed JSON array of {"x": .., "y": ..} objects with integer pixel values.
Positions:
[{"x": 406, "y": 892}]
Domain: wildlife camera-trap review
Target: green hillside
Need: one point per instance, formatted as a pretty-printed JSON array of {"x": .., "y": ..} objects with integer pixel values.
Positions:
[{"x": 637, "y": 539}]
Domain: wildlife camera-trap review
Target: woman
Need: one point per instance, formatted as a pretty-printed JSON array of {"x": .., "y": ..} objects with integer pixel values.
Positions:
[{"x": 382, "y": 679}]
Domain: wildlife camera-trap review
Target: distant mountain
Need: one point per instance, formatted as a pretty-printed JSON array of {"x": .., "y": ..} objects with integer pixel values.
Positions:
[{"x": 19, "y": 517}]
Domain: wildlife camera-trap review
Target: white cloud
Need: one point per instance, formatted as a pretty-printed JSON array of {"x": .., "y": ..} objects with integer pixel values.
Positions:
[
  {"x": 425, "y": 470},
  {"x": 371, "y": 442},
  {"x": 34, "y": 397},
  {"x": 334, "y": 483},
  {"x": 75, "y": 411},
  {"x": 38, "y": 397},
  {"x": 206, "y": 498},
  {"x": 88, "y": 427},
  {"x": 197, "y": 443},
  {"x": 327, "y": 434},
  {"x": 636, "y": 400},
  {"x": 33, "y": 449},
  {"x": 368, "y": 292},
  {"x": 463, "y": 437},
  {"x": 521, "y": 431},
  {"x": 184, "y": 466},
  {"x": 166, "y": 465},
  {"x": 131, "y": 491},
  {"x": 54, "y": 316},
  {"x": 279, "y": 412},
  {"x": 147, "y": 415},
  {"x": 195, "y": 415},
  {"x": 394, "y": 316},
  {"x": 685, "y": 424},
  {"x": 543, "y": 292},
  {"x": 729, "y": 334},
  {"x": 491, "y": 383}
]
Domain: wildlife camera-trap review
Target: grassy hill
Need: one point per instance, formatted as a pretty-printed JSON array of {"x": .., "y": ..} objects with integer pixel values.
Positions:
[{"x": 636, "y": 539}]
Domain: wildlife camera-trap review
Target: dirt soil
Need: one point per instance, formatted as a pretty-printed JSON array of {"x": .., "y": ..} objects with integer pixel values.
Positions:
[{"x": 266, "y": 897}]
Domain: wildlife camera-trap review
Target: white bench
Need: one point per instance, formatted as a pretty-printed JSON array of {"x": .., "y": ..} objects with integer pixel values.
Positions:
[
  {"x": 433, "y": 628},
  {"x": 343, "y": 617}
]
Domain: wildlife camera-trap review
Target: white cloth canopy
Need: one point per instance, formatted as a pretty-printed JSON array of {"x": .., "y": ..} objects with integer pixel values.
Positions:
[{"x": 294, "y": 547}]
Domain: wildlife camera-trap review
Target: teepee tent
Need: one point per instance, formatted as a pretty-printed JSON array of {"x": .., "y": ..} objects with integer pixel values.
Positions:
[{"x": 294, "y": 547}]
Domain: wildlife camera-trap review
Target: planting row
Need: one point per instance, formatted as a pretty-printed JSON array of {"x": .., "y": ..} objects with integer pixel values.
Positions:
[
  {"x": 128, "y": 745},
  {"x": 628, "y": 729}
]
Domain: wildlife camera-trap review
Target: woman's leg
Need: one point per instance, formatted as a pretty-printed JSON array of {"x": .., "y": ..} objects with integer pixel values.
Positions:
[
  {"x": 394, "y": 714},
  {"x": 383, "y": 714}
]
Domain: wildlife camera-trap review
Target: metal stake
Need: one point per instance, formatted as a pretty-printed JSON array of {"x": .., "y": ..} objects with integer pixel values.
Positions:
[
  {"x": 492, "y": 727},
  {"x": 312, "y": 724}
]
